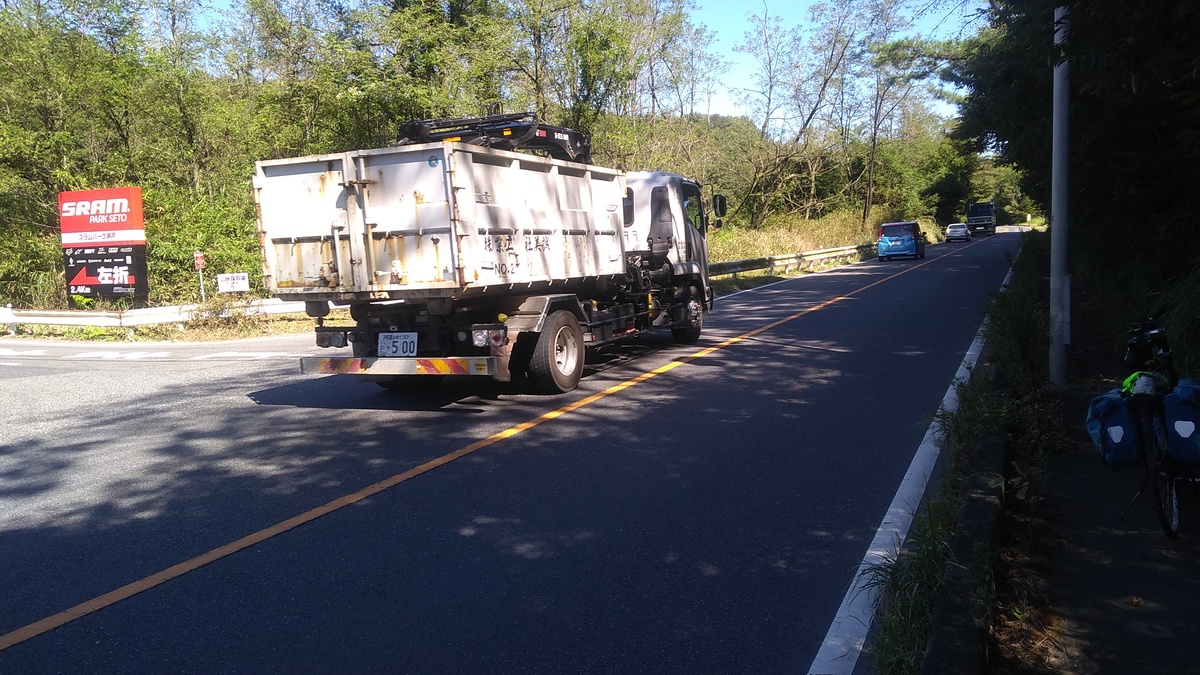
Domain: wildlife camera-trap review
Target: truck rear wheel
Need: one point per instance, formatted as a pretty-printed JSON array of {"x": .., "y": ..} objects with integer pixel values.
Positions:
[
  {"x": 557, "y": 360},
  {"x": 693, "y": 317}
]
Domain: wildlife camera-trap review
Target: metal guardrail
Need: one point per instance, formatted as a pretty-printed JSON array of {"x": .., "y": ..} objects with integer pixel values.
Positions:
[
  {"x": 797, "y": 260},
  {"x": 10, "y": 317},
  {"x": 159, "y": 315}
]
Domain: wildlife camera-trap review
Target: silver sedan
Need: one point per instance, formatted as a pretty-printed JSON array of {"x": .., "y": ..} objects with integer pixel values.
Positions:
[{"x": 958, "y": 232}]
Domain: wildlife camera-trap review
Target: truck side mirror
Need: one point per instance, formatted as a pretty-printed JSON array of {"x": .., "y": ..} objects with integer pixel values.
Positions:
[
  {"x": 719, "y": 206},
  {"x": 627, "y": 203}
]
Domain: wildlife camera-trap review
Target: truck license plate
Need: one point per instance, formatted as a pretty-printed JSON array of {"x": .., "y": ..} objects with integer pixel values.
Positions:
[{"x": 397, "y": 344}]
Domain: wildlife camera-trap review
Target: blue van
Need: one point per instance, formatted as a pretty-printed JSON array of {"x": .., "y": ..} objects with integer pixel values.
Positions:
[{"x": 896, "y": 239}]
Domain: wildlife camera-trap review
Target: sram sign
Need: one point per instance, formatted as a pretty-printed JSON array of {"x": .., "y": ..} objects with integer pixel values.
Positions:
[
  {"x": 112, "y": 217},
  {"x": 95, "y": 207},
  {"x": 104, "y": 243}
]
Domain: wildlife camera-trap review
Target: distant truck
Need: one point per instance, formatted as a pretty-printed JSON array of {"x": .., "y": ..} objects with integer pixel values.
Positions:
[
  {"x": 458, "y": 255},
  {"x": 981, "y": 218}
]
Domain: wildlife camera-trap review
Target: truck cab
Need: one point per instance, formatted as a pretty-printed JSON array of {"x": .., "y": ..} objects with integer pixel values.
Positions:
[
  {"x": 981, "y": 218},
  {"x": 666, "y": 225}
]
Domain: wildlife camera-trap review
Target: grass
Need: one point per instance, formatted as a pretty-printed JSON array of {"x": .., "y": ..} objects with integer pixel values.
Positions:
[
  {"x": 792, "y": 234},
  {"x": 786, "y": 235},
  {"x": 220, "y": 318},
  {"x": 1021, "y": 620},
  {"x": 907, "y": 587}
]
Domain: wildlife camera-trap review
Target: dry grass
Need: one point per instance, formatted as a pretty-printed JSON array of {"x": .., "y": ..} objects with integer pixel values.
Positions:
[
  {"x": 208, "y": 329},
  {"x": 786, "y": 235}
]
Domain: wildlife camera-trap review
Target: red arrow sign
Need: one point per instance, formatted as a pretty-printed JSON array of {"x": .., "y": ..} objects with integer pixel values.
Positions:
[{"x": 82, "y": 279}]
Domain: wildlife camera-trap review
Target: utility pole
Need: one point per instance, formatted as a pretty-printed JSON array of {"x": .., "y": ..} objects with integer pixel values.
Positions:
[{"x": 1060, "y": 279}]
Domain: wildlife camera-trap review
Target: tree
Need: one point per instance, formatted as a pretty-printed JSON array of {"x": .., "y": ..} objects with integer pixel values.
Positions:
[
  {"x": 772, "y": 46},
  {"x": 1135, "y": 105}
]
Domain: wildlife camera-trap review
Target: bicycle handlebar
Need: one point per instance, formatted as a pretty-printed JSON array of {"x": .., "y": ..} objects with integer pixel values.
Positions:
[{"x": 1148, "y": 347}]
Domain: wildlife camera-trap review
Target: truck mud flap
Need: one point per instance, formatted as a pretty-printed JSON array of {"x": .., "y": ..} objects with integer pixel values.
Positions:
[{"x": 470, "y": 365}]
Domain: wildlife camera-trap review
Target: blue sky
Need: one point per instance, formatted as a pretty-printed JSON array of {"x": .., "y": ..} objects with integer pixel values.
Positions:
[{"x": 728, "y": 20}]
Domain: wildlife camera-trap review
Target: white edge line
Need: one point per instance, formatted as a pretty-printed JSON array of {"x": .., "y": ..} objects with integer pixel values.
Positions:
[{"x": 847, "y": 634}]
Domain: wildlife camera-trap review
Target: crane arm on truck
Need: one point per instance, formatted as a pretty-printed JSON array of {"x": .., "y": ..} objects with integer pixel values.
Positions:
[{"x": 518, "y": 131}]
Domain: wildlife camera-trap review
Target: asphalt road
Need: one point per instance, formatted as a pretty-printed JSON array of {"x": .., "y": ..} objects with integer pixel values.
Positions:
[{"x": 679, "y": 513}]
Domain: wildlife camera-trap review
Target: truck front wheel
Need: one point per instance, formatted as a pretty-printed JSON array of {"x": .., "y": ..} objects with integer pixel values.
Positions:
[
  {"x": 693, "y": 318},
  {"x": 557, "y": 360}
]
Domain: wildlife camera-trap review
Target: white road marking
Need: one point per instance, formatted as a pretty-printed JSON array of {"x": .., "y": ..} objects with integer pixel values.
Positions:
[
  {"x": 139, "y": 355},
  {"x": 847, "y": 634},
  {"x": 119, "y": 356},
  {"x": 133, "y": 356},
  {"x": 22, "y": 352},
  {"x": 254, "y": 356}
]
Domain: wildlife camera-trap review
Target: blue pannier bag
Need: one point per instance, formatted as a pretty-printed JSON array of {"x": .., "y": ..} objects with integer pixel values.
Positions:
[
  {"x": 1111, "y": 427},
  {"x": 1182, "y": 408}
]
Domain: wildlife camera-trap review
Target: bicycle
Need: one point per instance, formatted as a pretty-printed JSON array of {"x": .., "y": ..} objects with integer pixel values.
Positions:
[{"x": 1146, "y": 393}]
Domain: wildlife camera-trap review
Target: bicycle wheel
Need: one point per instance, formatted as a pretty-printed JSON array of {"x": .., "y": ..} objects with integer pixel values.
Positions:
[{"x": 1166, "y": 484}]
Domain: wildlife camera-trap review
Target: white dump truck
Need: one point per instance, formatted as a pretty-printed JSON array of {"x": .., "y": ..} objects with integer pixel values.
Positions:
[{"x": 459, "y": 253}]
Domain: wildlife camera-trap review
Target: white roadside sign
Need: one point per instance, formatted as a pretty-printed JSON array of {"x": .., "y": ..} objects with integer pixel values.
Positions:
[{"x": 233, "y": 283}]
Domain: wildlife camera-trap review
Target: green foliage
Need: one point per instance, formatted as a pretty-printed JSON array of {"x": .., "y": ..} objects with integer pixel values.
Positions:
[
  {"x": 1001, "y": 184},
  {"x": 598, "y": 64},
  {"x": 1135, "y": 108},
  {"x": 219, "y": 227},
  {"x": 951, "y": 171},
  {"x": 1018, "y": 338},
  {"x": 1018, "y": 331},
  {"x": 182, "y": 104}
]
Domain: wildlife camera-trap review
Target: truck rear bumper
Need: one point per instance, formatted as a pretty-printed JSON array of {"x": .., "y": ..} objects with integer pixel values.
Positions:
[{"x": 463, "y": 365}]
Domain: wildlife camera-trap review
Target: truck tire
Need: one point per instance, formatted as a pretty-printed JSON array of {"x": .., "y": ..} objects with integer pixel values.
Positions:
[
  {"x": 522, "y": 353},
  {"x": 693, "y": 317},
  {"x": 557, "y": 361}
]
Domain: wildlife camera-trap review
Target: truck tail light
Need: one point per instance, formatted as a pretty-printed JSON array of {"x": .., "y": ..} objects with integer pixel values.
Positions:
[
  {"x": 489, "y": 335},
  {"x": 328, "y": 338}
]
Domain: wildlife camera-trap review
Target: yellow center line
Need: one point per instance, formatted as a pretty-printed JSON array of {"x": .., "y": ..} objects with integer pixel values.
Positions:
[{"x": 129, "y": 590}]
